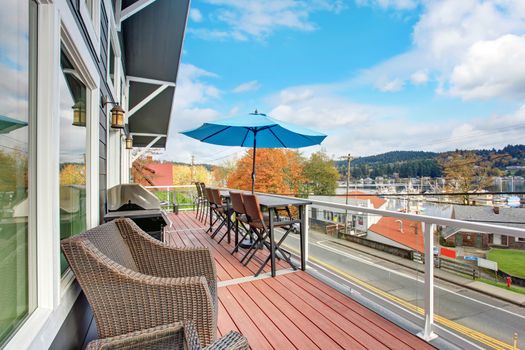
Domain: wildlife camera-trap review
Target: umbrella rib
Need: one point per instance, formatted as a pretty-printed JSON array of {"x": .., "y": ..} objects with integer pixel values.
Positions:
[
  {"x": 215, "y": 133},
  {"x": 245, "y": 136},
  {"x": 277, "y": 137}
]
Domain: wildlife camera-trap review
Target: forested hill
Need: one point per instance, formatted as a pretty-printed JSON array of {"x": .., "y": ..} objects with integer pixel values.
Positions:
[
  {"x": 394, "y": 156},
  {"x": 420, "y": 163}
]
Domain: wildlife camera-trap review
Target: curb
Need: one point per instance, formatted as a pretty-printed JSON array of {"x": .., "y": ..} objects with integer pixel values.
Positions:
[{"x": 450, "y": 280}]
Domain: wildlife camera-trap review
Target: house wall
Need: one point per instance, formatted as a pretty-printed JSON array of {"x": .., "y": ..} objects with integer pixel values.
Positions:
[{"x": 515, "y": 243}]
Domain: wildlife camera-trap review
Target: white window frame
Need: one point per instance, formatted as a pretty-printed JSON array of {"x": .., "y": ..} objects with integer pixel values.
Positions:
[
  {"x": 92, "y": 22},
  {"x": 56, "y": 295}
]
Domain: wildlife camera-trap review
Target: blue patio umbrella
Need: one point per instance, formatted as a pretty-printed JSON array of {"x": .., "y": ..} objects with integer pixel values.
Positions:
[
  {"x": 256, "y": 130},
  {"x": 9, "y": 124}
]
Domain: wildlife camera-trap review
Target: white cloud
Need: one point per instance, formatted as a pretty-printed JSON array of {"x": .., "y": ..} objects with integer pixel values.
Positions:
[
  {"x": 314, "y": 107},
  {"x": 391, "y": 86},
  {"x": 252, "y": 85},
  {"x": 491, "y": 68},
  {"x": 444, "y": 36},
  {"x": 419, "y": 78},
  {"x": 192, "y": 89},
  {"x": 196, "y": 15},
  {"x": 258, "y": 19},
  {"x": 386, "y": 4}
]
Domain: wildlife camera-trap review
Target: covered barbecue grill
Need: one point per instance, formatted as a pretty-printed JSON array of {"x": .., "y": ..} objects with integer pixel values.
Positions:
[{"x": 135, "y": 202}]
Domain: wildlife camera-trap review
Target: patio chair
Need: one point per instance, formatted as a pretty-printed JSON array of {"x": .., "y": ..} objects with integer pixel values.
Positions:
[
  {"x": 217, "y": 211},
  {"x": 174, "y": 336},
  {"x": 205, "y": 206},
  {"x": 223, "y": 212},
  {"x": 135, "y": 282},
  {"x": 241, "y": 220},
  {"x": 199, "y": 200},
  {"x": 259, "y": 224}
]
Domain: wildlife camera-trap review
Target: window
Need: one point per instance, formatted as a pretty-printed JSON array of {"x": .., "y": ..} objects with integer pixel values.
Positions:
[
  {"x": 111, "y": 64},
  {"x": 17, "y": 106},
  {"x": 520, "y": 239},
  {"x": 73, "y": 146},
  {"x": 90, "y": 6}
]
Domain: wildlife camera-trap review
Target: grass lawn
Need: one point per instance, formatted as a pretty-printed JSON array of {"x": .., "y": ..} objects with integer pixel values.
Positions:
[
  {"x": 502, "y": 285},
  {"x": 510, "y": 261}
]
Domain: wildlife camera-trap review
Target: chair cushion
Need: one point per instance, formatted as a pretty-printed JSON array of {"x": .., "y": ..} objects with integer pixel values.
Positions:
[{"x": 108, "y": 240}]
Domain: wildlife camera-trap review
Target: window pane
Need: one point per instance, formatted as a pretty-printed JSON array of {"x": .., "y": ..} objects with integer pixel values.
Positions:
[
  {"x": 72, "y": 153},
  {"x": 111, "y": 63},
  {"x": 16, "y": 44},
  {"x": 89, "y": 5}
]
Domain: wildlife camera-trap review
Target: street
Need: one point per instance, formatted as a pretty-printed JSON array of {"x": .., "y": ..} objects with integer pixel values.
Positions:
[{"x": 489, "y": 322}]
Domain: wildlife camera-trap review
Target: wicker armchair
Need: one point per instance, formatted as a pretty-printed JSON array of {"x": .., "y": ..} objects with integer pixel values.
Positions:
[
  {"x": 179, "y": 335},
  {"x": 135, "y": 282}
]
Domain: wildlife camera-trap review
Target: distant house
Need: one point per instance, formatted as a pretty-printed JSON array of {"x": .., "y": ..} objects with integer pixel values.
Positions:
[
  {"x": 405, "y": 234},
  {"x": 162, "y": 174},
  {"x": 514, "y": 217},
  {"x": 358, "y": 222}
]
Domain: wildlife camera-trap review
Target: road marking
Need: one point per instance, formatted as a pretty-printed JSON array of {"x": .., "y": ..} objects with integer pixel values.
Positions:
[
  {"x": 371, "y": 263},
  {"x": 471, "y": 333}
]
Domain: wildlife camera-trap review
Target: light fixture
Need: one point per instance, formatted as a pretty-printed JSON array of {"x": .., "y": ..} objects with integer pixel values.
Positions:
[
  {"x": 129, "y": 142},
  {"x": 79, "y": 114},
  {"x": 117, "y": 117},
  {"x": 117, "y": 114}
]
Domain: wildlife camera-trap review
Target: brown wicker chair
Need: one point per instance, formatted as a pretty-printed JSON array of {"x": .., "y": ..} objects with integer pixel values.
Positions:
[
  {"x": 135, "y": 282},
  {"x": 179, "y": 335}
]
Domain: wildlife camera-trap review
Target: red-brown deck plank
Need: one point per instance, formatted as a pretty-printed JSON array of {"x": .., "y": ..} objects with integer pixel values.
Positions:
[
  {"x": 357, "y": 320},
  {"x": 290, "y": 311},
  {"x": 265, "y": 324},
  {"x": 243, "y": 322},
  {"x": 287, "y": 326},
  {"x": 316, "y": 316},
  {"x": 224, "y": 321}
]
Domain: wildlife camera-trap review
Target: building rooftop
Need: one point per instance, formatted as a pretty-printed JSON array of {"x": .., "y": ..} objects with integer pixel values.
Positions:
[
  {"x": 496, "y": 215},
  {"x": 412, "y": 235},
  {"x": 376, "y": 201}
]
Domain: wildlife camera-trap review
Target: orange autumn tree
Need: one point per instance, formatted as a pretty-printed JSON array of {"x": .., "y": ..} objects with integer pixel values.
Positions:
[{"x": 277, "y": 171}]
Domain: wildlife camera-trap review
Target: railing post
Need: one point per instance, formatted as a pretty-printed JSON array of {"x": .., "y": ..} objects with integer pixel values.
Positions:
[
  {"x": 428, "y": 334},
  {"x": 306, "y": 231}
]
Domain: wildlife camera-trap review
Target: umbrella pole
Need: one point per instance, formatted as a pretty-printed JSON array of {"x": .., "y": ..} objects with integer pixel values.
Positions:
[{"x": 253, "y": 164}]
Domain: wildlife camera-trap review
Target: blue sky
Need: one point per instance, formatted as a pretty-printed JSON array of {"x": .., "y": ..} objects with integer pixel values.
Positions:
[{"x": 374, "y": 75}]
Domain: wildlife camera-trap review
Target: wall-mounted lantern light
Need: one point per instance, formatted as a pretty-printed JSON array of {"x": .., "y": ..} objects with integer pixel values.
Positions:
[
  {"x": 79, "y": 114},
  {"x": 129, "y": 142},
  {"x": 117, "y": 114},
  {"x": 117, "y": 117}
]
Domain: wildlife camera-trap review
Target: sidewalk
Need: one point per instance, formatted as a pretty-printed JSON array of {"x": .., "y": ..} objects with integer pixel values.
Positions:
[{"x": 487, "y": 289}]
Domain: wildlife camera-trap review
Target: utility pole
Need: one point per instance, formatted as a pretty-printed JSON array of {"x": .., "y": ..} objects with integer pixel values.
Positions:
[
  {"x": 348, "y": 159},
  {"x": 192, "y": 168}
]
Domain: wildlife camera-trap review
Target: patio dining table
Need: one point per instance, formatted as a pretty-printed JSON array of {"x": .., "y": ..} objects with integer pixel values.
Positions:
[{"x": 272, "y": 203}]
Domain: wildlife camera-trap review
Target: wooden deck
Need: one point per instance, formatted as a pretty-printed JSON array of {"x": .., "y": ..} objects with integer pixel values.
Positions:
[{"x": 291, "y": 311}]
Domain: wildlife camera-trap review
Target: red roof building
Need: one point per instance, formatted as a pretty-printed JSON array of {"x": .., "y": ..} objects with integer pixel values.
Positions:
[
  {"x": 405, "y": 232},
  {"x": 375, "y": 200},
  {"x": 162, "y": 174}
]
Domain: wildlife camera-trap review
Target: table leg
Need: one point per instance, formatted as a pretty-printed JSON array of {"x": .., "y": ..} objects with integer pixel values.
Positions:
[
  {"x": 302, "y": 217},
  {"x": 229, "y": 223},
  {"x": 272, "y": 244}
]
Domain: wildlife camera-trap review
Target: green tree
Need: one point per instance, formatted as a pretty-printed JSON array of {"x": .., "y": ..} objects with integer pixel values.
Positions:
[{"x": 321, "y": 174}]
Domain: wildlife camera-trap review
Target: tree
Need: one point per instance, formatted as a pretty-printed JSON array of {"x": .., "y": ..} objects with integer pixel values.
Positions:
[
  {"x": 220, "y": 173},
  {"x": 321, "y": 174},
  {"x": 73, "y": 174},
  {"x": 184, "y": 174},
  {"x": 465, "y": 172},
  {"x": 278, "y": 171}
]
